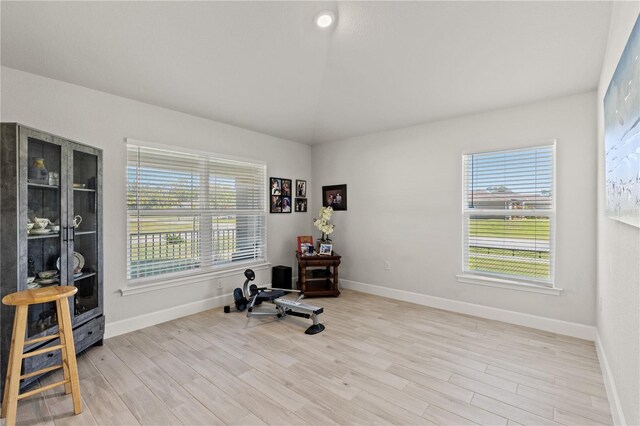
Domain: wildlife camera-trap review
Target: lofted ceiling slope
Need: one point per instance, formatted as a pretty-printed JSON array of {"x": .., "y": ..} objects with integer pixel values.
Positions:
[{"x": 264, "y": 65}]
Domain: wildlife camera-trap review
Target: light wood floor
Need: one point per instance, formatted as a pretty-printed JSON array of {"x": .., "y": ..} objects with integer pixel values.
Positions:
[{"x": 379, "y": 361}]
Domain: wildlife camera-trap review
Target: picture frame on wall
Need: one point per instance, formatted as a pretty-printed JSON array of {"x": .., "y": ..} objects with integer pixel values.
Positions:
[
  {"x": 335, "y": 196},
  {"x": 286, "y": 188},
  {"x": 301, "y": 205},
  {"x": 275, "y": 186},
  {"x": 280, "y": 200},
  {"x": 275, "y": 206},
  {"x": 301, "y": 188},
  {"x": 621, "y": 138}
]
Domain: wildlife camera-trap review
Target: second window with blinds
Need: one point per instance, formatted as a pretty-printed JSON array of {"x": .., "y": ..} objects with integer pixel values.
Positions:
[
  {"x": 191, "y": 213},
  {"x": 509, "y": 215}
]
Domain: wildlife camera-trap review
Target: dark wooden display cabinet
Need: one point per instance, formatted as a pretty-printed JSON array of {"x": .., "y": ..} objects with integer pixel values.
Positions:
[
  {"x": 318, "y": 275},
  {"x": 69, "y": 194}
]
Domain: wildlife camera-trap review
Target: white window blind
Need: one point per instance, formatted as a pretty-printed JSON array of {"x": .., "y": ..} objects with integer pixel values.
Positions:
[
  {"x": 192, "y": 213},
  {"x": 509, "y": 214}
]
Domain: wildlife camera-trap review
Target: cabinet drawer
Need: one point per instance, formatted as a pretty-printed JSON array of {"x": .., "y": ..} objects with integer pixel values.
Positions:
[
  {"x": 89, "y": 333},
  {"x": 83, "y": 337}
]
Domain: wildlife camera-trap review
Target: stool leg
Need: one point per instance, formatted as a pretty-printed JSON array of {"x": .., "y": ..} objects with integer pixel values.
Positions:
[
  {"x": 69, "y": 352},
  {"x": 10, "y": 407},
  {"x": 5, "y": 397},
  {"x": 63, "y": 352}
]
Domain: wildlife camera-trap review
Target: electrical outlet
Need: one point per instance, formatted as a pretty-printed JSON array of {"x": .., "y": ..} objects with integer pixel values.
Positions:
[
  {"x": 219, "y": 284},
  {"x": 387, "y": 265}
]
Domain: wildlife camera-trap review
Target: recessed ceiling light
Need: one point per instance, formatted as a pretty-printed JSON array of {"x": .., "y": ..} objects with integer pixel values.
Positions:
[{"x": 325, "y": 19}]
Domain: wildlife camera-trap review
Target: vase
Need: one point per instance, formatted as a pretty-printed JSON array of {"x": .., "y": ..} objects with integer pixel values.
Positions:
[{"x": 38, "y": 172}]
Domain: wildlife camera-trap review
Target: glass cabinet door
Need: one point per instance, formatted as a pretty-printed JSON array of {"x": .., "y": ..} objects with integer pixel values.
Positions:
[
  {"x": 84, "y": 265},
  {"x": 43, "y": 217}
]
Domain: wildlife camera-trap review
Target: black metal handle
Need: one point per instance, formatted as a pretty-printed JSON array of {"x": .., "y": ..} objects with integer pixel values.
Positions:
[
  {"x": 73, "y": 233},
  {"x": 90, "y": 333},
  {"x": 65, "y": 232},
  {"x": 49, "y": 355}
]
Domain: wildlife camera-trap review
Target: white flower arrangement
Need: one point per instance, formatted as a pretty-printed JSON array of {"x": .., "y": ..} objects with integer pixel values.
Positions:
[{"x": 322, "y": 222}]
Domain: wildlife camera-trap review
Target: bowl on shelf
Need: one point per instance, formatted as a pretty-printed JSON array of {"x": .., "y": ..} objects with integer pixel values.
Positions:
[
  {"x": 30, "y": 226},
  {"x": 55, "y": 228},
  {"x": 41, "y": 222},
  {"x": 47, "y": 274},
  {"x": 30, "y": 280}
]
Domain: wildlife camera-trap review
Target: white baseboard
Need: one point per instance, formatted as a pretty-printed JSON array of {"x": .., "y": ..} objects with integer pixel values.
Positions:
[
  {"x": 609, "y": 384},
  {"x": 117, "y": 328},
  {"x": 580, "y": 331}
]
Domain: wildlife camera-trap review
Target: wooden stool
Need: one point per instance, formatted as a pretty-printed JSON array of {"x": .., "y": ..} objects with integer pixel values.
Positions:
[{"x": 21, "y": 300}]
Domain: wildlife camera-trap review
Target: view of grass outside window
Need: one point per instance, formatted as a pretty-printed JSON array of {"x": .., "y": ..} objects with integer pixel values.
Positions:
[
  {"x": 189, "y": 212},
  {"x": 509, "y": 214}
]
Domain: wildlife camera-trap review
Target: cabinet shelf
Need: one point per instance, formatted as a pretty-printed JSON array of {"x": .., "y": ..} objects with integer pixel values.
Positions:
[
  {"x": 42, "y": 185},
  {"x": 84, "y": 190},
  {"x": 40, "y": 237},
  {"x": 83, "y": 276},
  {"x": 85, "y": 233}
]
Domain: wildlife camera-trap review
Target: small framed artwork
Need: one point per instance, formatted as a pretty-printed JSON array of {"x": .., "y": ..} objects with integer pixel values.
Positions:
[
  {"x": 335, "y": 196},
  {"x": 326, "y": 249},
  {"x": 301, "y": 205},
  {"x": 280, "y": 195},
  {"x": 301, "y": 188}
]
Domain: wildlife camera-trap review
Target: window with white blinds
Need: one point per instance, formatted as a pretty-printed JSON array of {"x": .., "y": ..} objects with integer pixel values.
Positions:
[
  {"x": 509, "y": 214},
  {"x": 192, "y": 213}
]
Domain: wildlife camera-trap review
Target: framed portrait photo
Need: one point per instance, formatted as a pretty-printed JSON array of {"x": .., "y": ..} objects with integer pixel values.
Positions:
[
  {"x": 301, "y": 205},
  {"x": 335, "y": 196},
  {"x": 276, "y": 186},
  {"x": 286, "y": 188},
  {"x": 326, "y": 249},
  {"x": 280, "y": 200},
  {"x": 301, "y": 188}
]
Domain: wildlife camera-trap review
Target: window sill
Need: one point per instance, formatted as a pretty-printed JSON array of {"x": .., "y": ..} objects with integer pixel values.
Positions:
[
  {"x": 508, "y": 284},
  {"x": 164, "y": 283}
]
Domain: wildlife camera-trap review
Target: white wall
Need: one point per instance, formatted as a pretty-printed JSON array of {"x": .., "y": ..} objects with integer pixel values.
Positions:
[
  {"x": 103, "y": 120},
  {"x": 405, "y": 201},
  {"x": 618, "y": 256}
]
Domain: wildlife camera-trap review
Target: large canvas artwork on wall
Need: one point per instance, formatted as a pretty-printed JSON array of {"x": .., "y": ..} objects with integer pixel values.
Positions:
[{"x": 622, "y": 135}]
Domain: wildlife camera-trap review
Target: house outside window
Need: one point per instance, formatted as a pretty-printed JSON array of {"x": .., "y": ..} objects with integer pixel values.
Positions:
[
  {"x": 509, "y": 215},
  {"x": 192, "y": 213}
]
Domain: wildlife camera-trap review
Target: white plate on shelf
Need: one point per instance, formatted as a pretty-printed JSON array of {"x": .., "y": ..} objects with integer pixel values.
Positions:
[
  {"x": 39, "y": 231},
  {"x": 78, "y": 261},
  {"x": 47, "y": 281}
]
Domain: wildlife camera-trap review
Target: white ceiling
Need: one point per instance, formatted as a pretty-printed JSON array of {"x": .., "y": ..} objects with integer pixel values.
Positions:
[{"x": 264, "y": 65}]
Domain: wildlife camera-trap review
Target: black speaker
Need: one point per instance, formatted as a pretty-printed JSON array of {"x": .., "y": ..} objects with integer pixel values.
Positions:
[{"x": 281, "y": 277}]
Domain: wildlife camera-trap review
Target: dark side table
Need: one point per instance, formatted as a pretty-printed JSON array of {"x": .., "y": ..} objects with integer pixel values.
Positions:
[{"x": 318, "y": 274}]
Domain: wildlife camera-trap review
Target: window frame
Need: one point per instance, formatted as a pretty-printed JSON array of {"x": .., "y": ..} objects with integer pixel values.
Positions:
[
  {"x": 503, "y": 280},
  {"x": 204, "y": 272}
]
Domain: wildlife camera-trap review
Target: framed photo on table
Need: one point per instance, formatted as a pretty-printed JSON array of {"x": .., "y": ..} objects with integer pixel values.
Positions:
[
  {"x": 335, "y": 196},
  {"x": 326, "y": 249},
  {"x": 304, "y": 242}
]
